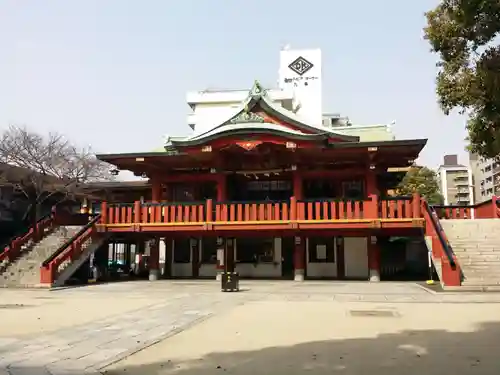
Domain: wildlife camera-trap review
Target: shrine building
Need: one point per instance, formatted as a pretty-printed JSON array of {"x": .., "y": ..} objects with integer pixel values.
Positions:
[{"x": 270, "y": 189}]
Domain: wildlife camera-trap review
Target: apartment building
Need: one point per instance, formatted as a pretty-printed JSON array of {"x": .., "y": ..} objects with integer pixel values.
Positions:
[
  {"x": 486, "y": 177},
  {"x": 456, "y": 183}
]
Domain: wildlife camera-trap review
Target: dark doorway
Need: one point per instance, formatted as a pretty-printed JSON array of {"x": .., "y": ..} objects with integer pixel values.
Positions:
[
  {"x": 208, "y": 190},
  {"x": 320, "y": 189},
  {"x": 194, "y": 244},
  {"x": 287, "y": 247},
  {"x": 243, "y": 188},
  {"x": 403, "y": 259}
]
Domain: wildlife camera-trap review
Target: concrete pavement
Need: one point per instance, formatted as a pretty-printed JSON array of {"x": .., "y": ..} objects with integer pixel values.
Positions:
[
  {"x": 111, "y": 322},
  {"x": 288, "y": 338}
]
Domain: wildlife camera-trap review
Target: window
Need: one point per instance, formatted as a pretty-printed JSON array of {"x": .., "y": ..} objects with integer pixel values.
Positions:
[
  {"x": 321, "y": 250},
  {"x": 182, "y": 251},
  {"x": 209, "y": 251},
  {"x": 182, "y": 193},
  {"x": 255, "y": 250},
  {"x": 275, "y": 185},
  {"x": 353, "y": 189}
]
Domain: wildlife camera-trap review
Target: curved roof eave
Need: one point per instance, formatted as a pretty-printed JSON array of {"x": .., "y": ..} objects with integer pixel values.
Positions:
[
  {"x": 249, "y": 129},
  {"x": 286, "y": 115}
]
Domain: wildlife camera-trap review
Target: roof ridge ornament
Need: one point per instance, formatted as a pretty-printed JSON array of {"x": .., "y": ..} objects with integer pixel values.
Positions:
[{"x": 257, "y": 90}]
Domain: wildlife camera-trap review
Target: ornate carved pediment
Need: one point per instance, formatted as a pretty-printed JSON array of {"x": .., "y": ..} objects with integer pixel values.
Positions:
[{"x": 246, "y": 117}]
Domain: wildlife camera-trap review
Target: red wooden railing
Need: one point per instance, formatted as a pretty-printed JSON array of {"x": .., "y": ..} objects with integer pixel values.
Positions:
[
  {"x": 489, "y": 209},
  {"x": 34, "y": 233},
  {"x": 261, "y": 212},
  {"x": 137, "y": 213},
  {"x": 485, "y": 210},
  {"x": 69, "y": 251},
  {"x": 441, "y": 249}
]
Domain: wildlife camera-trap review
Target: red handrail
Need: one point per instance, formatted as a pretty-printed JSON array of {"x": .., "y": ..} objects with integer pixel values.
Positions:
[
  {"x": 263, "y": 211},
  {"x": 35, "y": 233},
  {"x": 489, "y": 209},
  {"x": 70, "y": 250},
  {"x": 441, "y": 249}
]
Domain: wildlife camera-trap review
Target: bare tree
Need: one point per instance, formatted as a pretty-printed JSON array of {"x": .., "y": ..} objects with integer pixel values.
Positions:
[{"x": 40, "y": 167}]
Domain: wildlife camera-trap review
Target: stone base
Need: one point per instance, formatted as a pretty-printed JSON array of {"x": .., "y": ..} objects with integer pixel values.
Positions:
[
  {"x": 154, "y": 275},
  {"x": 299, "y": 275},
  {"x": 218, "y": 276},
  {"x": 374, "y": 275}
]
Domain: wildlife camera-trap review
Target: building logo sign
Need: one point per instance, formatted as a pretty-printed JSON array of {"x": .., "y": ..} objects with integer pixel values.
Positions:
[{"x": 300, "y": 66}]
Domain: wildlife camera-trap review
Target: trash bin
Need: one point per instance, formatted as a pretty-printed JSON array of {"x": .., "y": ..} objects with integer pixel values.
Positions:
[{"x": 230, "y": 282}]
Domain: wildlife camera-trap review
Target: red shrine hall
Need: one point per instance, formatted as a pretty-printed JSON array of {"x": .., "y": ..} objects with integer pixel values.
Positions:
[{"x": 268, "y": 195}]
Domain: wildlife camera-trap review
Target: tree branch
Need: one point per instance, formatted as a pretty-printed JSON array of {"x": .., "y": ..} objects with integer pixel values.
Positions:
[{"x": 40, "y": 167}]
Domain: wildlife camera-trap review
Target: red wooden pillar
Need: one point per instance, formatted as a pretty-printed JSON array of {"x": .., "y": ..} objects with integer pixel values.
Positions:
[
  {"x": 299, "y": 242},
  {"x": 155, "y": 189},
  {"x": 104, "y": 212},
  {"x": 372, "y": 192},
  {"x": 371, "y": 183},
  {"x": 221, "y": 188},
  {"x": 154, "y": 259},
  {"x": 373, "y": 259},
  {"x": 417, "y": 206},
  {"x": 222, "y": 243},
  {"x": 298, "y": 186},
  {"x": 299, "y": 255}
]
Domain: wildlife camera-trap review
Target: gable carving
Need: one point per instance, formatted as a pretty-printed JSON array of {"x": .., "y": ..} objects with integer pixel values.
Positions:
[{"x": 246, "y": 117}]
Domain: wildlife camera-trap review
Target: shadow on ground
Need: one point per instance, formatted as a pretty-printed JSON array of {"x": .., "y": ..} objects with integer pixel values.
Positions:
[{"x": 430, "y": 352}]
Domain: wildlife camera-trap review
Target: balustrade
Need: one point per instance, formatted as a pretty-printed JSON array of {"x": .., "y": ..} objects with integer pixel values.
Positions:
[
  {"x": 489, "y": 209},
  {"x": 319, "y": 210}
]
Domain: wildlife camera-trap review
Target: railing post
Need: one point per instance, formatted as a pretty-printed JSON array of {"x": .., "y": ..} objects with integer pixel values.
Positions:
[
  {"x": 14, "y": 247},
  {"x": 293, "y": 208},
  {"x": 417, "y": 206},
  {"x": 137, "y": 212},
  {"x": 209, "y": 207},
  {"x": 496, "y": 212},
  {"x": 373, "y": 207},
  {"x": 47, "y": 274},
  {"x": 104, "y": 213}
]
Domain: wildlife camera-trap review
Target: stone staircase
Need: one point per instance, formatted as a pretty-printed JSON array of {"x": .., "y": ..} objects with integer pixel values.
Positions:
[
  {"x": 25, "y": 270},
  {"x": 476, "y": 244}
]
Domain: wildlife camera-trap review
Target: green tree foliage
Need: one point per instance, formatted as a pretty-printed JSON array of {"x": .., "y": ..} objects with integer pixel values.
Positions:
[
  {"x": 423, "y": 181},
  {"x": 465, "y": 35}
]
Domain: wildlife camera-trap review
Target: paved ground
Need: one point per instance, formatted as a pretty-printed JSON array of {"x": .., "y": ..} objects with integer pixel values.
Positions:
[{"x": 278, "y": 327}]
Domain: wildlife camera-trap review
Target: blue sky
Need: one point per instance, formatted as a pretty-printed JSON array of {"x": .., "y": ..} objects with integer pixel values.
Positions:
[{"x": 114, "y": 73}]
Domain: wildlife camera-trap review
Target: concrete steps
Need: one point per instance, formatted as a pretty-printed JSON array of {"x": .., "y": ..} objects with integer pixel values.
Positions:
[
  {"x": 476, "y": 244},
  {"x": 25, "y": 271}
]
